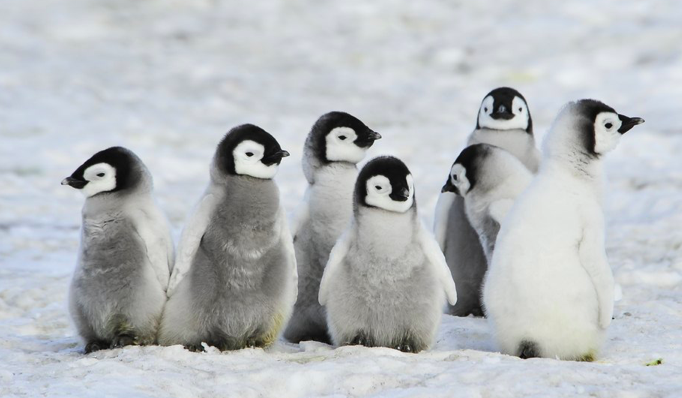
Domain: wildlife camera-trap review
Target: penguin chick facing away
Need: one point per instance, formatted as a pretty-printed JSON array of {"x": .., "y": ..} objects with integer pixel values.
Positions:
[
  {"x": 234, "y": 281},
  {"x": 550, "y": 290},
  {"x": 386, "y": 280},
  {"x": 504, "y": 121},
  {"x": 125, "y": 257},
  {"x": 335, "y": 144},
  {"x": 489, "y": 179}
]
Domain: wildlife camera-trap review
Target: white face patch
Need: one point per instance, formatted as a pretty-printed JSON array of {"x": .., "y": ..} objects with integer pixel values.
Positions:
[
  {"x": 340, "y": 146},
  {"x": 379, "y": 190},
  {"x": 101, "y": 177},
  {"x": 606, "y": 135},
  {"x": 519, "y": 121},
  {"x": 458, "y": 178},
  {"x": 247, "y": 160}
]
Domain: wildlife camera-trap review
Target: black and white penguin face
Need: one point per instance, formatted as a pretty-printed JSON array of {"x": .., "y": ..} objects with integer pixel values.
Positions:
[
  {"x": 251, "y": 151},
  {"x": 385, "y": 183},
  {"x": 342, "y": 137},
  {"x": 504, "y": 109},
  {"x": 110, "y": 170},
  {"x": 466, "y": 169},
  {"x": 601, "y": 126}
]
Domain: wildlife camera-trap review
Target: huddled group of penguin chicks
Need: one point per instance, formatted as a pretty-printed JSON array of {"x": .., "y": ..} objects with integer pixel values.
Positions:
[{"x": 357, "y": 266}]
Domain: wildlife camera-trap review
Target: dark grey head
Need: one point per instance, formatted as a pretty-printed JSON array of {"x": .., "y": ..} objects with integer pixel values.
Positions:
[
  {"x": 386, "y": 183},
  {"x": 599, "y": 126},
  {"x": 504, "y": 108},
  {"x": 115, "y": 169},
  {"x": 466, "y": 170},
  {"x": 249, "y": 150},
  {"x": 340, "y": 137}
]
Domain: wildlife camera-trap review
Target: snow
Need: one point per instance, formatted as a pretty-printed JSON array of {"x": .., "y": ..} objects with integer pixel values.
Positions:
[{"x": 168, "y": 78}]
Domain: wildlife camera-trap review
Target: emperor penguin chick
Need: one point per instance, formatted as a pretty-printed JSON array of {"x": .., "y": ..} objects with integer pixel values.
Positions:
[
  {"x": 126, "y": 253},
  {"x": 550, "y": 290},
  {"x": 489, "y": 179},
  {"x": 336, "y": 143},
  {"x": 386, "y": 280},
  {"x": 504, "y": 121},
  {"x": 234, "y": 281}
]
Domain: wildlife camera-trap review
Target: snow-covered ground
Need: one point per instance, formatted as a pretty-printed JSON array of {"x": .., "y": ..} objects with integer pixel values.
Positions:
[{"x": 168, "y": 78}]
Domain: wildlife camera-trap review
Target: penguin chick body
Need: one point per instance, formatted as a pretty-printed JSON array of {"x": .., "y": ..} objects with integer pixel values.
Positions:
[
  {"x": 125, "y": 258},
  {"x": 386, "y": 280},
  {"x": 550, "y": 290},
  {"x": 234, "y": 282}
]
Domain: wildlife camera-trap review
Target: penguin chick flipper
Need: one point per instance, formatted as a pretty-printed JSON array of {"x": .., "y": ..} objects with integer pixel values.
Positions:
[
  {"x": 436, "y": 260},
  {"x": 156, "y": 249},
  {"x": 191, "y": 237},
  {"x": 336, "y": 257},
  {"x": 593, "y": 259},
  {"x": 288, "y": 243},
  {"x": 440, "y": 221}
]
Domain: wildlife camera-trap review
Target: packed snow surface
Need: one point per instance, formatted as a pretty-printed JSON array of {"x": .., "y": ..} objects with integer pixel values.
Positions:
[{"x": 168, "y": 78}]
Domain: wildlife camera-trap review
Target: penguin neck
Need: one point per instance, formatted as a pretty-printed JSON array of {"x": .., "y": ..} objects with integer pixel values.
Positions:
[
  {"x": 336, "y": 175},
  {"x": 254, "y": 198},
  {"x": 386, "y": 232},
  {"x": 109, "y": 205},
  {"x": 580, "y": 170}
]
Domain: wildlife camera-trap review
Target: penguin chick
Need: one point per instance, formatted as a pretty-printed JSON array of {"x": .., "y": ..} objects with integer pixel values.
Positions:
[
  {"x": 126, "y": 253},
  {"x": 489, "y": 179},
  {"x": 504, "y": 121},
  {"x": 550, "y": 290},
  {"x": 335, "y": 144},
  {"x": 234, "y": 281},
  {"x": 386, "y": 280}
]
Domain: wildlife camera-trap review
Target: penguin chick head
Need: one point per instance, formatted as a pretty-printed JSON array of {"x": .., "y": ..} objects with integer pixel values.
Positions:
[
  {"x": 465, "y": 171},
  {"x": 249, "y": 150},
  {"x": 385, "y": 183},
  {"x": 341, "y": 137},
  {"x": 588, "y": 127},
  {"x": 114, "y": 169},
  {"x": 504, "y": 108}
]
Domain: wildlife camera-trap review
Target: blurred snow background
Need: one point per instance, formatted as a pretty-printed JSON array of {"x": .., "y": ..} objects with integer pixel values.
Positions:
[{"x": 168, "y": 78}]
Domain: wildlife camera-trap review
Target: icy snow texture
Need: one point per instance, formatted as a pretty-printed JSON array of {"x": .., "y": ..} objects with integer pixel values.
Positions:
[{"x": 168, "y": 78}]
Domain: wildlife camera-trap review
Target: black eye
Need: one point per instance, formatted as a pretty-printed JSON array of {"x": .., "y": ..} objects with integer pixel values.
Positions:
[
  {"x": 342, "y": 137},
  {"x": 485, "y": 109},
  {"x": 249, "y": 154},
  {"x": 608, "y": 125},
  {"x": 520, "y": 109},
  {"x": 377, "y": 187},
  {"x": 100, "y": 174},
  {"x": 454, "y": 178}
]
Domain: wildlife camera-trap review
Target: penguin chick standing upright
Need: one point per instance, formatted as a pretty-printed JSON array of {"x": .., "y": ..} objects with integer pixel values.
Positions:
[
  {"x": 489, "y": 179},
  {"x": 234, "y": 281},
  {"x": 386, "y": 280},
  {"x": 504, "y": 121},
  {"x": 550, "y": 290},
  {"x": 336, "y": 143},
  {"x": 126, "y": 253}
]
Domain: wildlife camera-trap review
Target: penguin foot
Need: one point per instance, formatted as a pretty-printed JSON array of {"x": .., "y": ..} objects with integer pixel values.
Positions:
[
  {"x": 404, "y": 348},
  {"x": 96, "y": 345},
  {"x": 194, "y": 347},
  {"x": 123, "y": 340},
  {"x": 360, "y": 339}
]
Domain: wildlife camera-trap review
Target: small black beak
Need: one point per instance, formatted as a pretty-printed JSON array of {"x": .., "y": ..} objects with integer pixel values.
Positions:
[
  {"x": 502, "y": 115},
  {"x": 628, "y": 122},
  {"x": 448, "y": 187},
  {"x": 401, "y": 195},
  {"x": 274, "y": 157},
  {"x": 368, "y": 140},
  {"x": 74, "y": 182}
]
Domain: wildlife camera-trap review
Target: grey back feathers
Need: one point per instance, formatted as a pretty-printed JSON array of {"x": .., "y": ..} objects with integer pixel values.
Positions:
[{"x": 118, "y": 289}]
